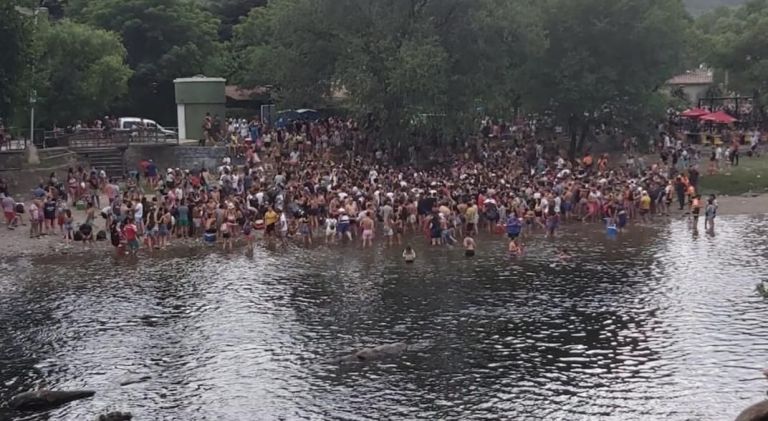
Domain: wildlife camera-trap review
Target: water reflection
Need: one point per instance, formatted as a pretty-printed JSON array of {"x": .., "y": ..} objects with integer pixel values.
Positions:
[{"x": 658, "y": 323}]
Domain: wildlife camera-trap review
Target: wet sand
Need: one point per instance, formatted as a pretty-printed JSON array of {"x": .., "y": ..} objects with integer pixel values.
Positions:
[{"x": 17, "y": 243}]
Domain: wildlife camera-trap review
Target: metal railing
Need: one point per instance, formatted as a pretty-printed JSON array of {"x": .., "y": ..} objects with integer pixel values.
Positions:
[{"x": 19, "y": 139}]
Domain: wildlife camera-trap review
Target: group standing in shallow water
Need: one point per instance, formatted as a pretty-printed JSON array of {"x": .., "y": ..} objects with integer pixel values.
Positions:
[{"x": 294, "y": 184}]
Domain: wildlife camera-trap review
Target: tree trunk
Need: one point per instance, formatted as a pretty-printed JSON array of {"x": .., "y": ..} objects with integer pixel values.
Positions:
[
  {"x": 584, "y": 131},
  {"x": 572, "y": 146}
]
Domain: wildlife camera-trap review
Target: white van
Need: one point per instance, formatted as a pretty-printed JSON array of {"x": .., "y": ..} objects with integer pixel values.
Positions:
[{"x": 151, "y": 127}]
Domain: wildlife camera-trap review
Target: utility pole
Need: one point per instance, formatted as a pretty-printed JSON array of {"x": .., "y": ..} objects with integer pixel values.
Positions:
[{"x": 33, "y": 92}]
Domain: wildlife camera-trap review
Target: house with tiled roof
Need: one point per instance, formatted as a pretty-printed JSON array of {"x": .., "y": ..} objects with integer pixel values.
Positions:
[{"x": 693, "y": 83}]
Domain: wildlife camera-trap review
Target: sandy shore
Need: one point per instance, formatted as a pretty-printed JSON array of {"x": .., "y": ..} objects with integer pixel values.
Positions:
[
  {"x": 742, "y": 205},
  {"x": 17, "y": 243}
]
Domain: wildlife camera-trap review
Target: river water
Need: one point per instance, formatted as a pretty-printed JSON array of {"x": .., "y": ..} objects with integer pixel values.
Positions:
[{"x": 661, "y": 323}]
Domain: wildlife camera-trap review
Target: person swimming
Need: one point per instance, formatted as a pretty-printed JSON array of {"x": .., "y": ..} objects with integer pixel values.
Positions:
[
  {"x": 469, "y": 246},
  {"x": 409, "y": 254},
  {"x": 563, "y": 254},
  {"x": 515, "y": 249}
]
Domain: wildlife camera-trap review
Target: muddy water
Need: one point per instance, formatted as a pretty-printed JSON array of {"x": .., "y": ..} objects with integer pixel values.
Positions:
[{"x": 662, "y": 323}]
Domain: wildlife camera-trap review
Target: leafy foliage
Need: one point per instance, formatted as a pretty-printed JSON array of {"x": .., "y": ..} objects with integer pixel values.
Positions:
[
  {"x": 165, "y": 39},
  {"x": 405, "y": 58},
  {"x": 79, "y": 65},
  {"x": 735, "y": 42},
  {"x": 397, "y": 60},
  {"x": 14, "y": 45}
]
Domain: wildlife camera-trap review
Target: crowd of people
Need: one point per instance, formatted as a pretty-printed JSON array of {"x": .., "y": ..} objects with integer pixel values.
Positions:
[{"x": 294, "y": 184}]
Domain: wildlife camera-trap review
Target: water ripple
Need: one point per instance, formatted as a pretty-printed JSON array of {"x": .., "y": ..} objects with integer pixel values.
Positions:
[{"x": 662, "y": 323}]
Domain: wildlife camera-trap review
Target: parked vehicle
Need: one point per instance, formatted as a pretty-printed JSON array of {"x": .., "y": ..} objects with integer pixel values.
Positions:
[
  {"x": 150, "y": 127},
  {"x": 286, "y": 117}
]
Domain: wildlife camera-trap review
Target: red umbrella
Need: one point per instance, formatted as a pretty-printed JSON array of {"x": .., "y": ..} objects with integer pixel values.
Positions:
[
  {"x": 694, "y": 113},
  {"x": 719, "y": 117}
]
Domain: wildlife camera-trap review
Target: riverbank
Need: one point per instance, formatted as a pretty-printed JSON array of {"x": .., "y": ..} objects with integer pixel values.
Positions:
[
  {"x": 750, "y": 176},
  {"x": 17, "y": 243}
]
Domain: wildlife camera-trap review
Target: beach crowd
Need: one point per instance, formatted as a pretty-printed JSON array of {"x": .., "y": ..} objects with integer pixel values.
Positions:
[{"x": 300, "y": 183}]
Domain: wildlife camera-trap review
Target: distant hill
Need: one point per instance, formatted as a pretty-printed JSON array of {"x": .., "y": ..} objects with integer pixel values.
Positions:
[{"x": 698, "y": 7}]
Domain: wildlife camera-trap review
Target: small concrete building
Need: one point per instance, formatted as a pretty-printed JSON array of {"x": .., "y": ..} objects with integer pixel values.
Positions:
[{"x": 196, "y": 96}]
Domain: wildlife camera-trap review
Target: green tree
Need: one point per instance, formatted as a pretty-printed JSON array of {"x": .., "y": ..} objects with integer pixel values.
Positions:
[
  {"x": 399, "y": 61},
  {"x": 81, "y": 71},
  {"x": 736, "y": 44},
  {"x": 165, "y": 39},
  {"x": 287, "y": 45},
  {"x": 14, "y": 47},
  {"x": 605, "y": 59},
  {"x": 230, "y": 12}
]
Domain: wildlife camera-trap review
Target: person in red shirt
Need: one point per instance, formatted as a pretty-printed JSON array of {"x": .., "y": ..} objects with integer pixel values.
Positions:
[{"x": 130, "y": 234}]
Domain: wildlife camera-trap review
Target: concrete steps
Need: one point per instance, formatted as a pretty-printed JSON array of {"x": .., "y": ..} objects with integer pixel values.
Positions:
[{"x": 111, "y": 160}]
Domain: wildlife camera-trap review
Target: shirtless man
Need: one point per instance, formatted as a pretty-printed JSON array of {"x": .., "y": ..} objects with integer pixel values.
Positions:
[{"x": 367, "y": 225}]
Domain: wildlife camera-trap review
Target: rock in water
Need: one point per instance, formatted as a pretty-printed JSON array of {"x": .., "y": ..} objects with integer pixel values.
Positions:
[
  {"x": 45, "y": 399},
  {"x": 756, "y": 412},
  {"x": 134, "y": 380},
  {"x": 115, "y": 416},
  {"x": 371, "y": 354}
]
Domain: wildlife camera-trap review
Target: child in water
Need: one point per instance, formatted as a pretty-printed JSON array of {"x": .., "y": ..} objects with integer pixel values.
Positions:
[
  {"x": 469, "y": 245},
  {"x": 409, "y": 255},
  {"x": 563, "y": 255},
  {"x": 515, "y": 249}
]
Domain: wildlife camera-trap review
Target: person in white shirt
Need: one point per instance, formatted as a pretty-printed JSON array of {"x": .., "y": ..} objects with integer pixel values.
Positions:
[
  {"x": 330, "y": 229},
  {"x": 282, "y": 224},
  {"x": 138, "y": 216}
]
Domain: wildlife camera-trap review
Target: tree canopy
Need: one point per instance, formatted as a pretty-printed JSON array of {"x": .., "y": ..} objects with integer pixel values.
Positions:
[
  {"x": 734, "y": 40},
  {"x": 396, "y": 60},
  {"x": 396, "y": 63},
  {"x": 79, "y": 65},
  {"x": 165, "y": 39},
  {"x": 15, "y": 43},
  {"x": 404, "y": 58}
]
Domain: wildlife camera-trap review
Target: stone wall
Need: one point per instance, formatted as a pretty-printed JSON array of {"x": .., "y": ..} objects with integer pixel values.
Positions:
[
  {"x": 175, "y": 156},
  {"x": 10, "y": 161},
  {"x": 23, "y": 177}
]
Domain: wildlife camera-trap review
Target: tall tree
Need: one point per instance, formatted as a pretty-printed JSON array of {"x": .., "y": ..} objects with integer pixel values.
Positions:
[
  {"x": 165, "y": 39},
  {"x": 605, "y": 59},
  {"x": 737, "y": 44},
  {"x": 400, "y": 61},
  {"x": 81, "y": 71},
  {"x": 14, "y": 46}
]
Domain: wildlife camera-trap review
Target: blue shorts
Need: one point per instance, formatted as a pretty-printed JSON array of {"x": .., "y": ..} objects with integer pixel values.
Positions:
[{"x": 343, "y": 228}]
